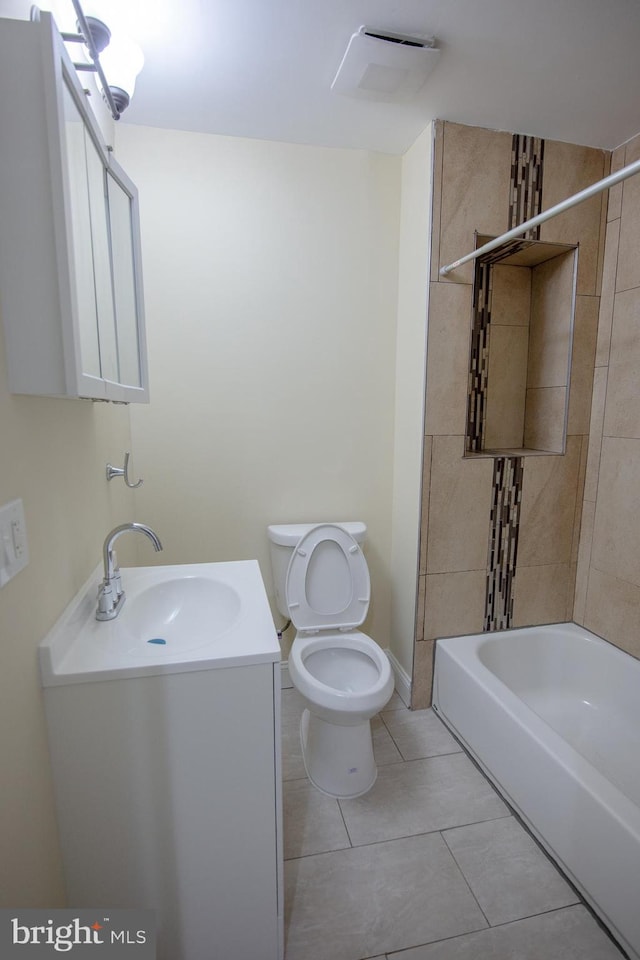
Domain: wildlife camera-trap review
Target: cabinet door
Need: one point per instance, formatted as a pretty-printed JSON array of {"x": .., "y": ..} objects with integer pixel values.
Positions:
[
  {"x": 81, "y": 266},
  {"x": 96, "y": 178},
  {"x": 123, "y": 261}
]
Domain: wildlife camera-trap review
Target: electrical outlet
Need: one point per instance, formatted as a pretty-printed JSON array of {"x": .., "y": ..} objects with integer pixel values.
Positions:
[{"x": 14, "y": 553}]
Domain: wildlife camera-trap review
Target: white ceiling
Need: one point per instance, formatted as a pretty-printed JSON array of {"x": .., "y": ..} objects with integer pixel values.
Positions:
[{"x": 562, "y": 69}]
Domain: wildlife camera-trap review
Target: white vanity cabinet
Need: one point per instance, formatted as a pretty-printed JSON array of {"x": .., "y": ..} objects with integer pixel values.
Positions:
[
  {"x": 167, "y": 790},
  {"x": 164, "y": 736},
  {"x": 70, "y": 276}
]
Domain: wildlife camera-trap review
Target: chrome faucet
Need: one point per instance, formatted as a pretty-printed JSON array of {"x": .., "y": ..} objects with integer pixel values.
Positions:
[{"x": 111, "y": 596}]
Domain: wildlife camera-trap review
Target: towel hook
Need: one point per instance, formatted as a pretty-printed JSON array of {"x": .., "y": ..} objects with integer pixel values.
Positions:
[{"x": 123, "y": 472}]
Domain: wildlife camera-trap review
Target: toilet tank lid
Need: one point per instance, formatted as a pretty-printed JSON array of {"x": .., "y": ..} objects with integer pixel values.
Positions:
[{"x": 288, "y": 534}]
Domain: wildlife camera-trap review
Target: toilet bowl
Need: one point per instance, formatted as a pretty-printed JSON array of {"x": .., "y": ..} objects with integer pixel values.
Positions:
[{"x": 343, "y": 676}]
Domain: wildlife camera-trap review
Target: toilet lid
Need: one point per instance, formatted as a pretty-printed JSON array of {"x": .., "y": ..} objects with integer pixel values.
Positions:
[{"x": 328, "y": 582}]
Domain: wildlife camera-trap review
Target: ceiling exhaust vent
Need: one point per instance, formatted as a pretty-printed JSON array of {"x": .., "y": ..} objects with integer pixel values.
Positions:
[{"x": 379, "y": 65}]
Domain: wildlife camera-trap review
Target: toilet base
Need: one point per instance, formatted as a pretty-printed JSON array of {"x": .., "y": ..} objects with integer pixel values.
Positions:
[{"x": 338, "y": 759}]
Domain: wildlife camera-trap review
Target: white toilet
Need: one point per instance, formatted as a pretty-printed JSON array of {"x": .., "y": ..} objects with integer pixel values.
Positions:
[{"x": 322, "y": 584}]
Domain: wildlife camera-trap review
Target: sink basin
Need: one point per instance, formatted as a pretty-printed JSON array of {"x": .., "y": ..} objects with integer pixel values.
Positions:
[
  {"x": 175, "y": 618},
  {"x": 180, "y": 614}
]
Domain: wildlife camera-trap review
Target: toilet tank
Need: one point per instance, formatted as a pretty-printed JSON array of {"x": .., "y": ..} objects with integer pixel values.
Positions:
[{"x": 283, "y": 538}]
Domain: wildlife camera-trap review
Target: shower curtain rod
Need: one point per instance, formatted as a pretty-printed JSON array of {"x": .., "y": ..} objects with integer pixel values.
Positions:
[{"x": 591, "y": 191}]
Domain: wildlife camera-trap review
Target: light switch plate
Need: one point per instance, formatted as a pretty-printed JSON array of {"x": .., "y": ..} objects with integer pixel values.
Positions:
[{"x": 14, "y": 552}]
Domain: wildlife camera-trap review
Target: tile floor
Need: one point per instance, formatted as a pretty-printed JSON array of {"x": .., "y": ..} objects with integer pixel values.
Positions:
[{"x": 429, "y": 865}]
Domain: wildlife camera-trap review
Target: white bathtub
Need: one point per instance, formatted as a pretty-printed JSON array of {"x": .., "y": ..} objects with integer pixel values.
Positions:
[{"x": 552, "y": 714}]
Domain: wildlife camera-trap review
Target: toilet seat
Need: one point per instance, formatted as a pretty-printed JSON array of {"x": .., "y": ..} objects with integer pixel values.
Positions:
[
  {"x": 343, "y": 612},
  {"x": 331, "y": 697}
]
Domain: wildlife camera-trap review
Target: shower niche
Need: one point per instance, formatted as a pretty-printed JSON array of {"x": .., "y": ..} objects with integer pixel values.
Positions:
[{"x": 520, "y": 360}]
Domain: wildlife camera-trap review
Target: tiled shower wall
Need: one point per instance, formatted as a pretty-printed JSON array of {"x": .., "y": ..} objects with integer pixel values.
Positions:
[
  {"x": 608, "y": 584},
  {"x": 499, "y": 537}
]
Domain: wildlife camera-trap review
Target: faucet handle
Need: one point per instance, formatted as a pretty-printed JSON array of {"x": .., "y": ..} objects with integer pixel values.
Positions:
[
  {"x": 105, "y": 599},
  {"x": 116, "y": 580}
]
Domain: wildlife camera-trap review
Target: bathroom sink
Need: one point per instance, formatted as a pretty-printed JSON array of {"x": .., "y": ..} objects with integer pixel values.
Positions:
[
  {"x": 181, "y": 614},
  {"x": 175, "y": 618}
]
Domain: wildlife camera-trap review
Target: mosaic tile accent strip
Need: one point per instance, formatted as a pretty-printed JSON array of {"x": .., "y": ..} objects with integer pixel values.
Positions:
[
  {"x": 477, "y": 393},
  {"x": 503, "y": 542},
  {"x": 505, "y": 250},
  {"x": 527, "y": 158}
]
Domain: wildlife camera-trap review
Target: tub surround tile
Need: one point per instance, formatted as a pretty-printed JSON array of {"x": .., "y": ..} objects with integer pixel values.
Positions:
[
  {"x": 617, "y": 527},
  {"x": 312, "y": 822},
  {"x": 545, "y": 418},
  {"x": 525, "y": 200},
  {"x": 600, "y": 377},
  {"x": 506, "y": 379},
  {"x": 420, "y": 609},
  {"x": 585, "y": 334},
  {"x": 510, "y": 295},
  {"x": 438, "y": 150},
  {"x": 550, "y": 327},
  {"x": 569, "y": 168},
  {"x": 459, "y": 505},
  {"x": 612, "y": 610},
  {"x": 584, "y": 561},
  {"x": 350, "y": 904},
  {"x": 448, "y": 358},
  {"x": 567, "y": 934},
  {"x": 422, "y": 674},
  {"x": 424, "y": 516},
  {"x": 548, "y": 507},
  {"x": 614, "y": 206},
  {"x": 419, "y": 734},
  {"x": 602, "y": 233},
  {"x": 628, "y": 272},
  {"x": 541, "y": 594},
  {"x": 577, "y": 521},
  {"x": 571, "y": 590},
  {"x": 503, "y": 542},
  {"x": 508, "y": 873},
  {"x": 475, "y": 192},
  {"x": 622, "y": 412},
  {"x": 454, "y": 603},
  {"x": 605, "y": 318},
  {"x": 420, "y": 797}
]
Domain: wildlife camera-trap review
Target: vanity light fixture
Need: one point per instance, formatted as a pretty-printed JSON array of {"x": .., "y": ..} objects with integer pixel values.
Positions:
[{"x": 122, "y": 59}]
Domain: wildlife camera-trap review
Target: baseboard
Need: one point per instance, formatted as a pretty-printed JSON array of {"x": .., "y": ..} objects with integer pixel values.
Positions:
[{"x": 401, "y": 678}]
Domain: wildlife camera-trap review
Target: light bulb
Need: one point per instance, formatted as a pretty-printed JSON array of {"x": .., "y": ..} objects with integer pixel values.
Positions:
[{"x": 121, "y": 63}]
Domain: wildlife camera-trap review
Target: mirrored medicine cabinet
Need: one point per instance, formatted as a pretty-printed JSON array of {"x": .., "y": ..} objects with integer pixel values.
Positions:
[{"x": 70, "y": 272}]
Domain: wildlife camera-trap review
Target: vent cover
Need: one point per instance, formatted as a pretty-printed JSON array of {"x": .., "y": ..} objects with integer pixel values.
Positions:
[{"x": 379, "y": 65}]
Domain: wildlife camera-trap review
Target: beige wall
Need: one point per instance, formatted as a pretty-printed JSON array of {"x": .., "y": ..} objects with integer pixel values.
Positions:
[
  {"x": 271, "y": 295},
  {"x": 54, "y": 458},
  {"x": 413, "y": 289},
  {"x": 472, "y": 169},
  {"x": 608, "y": 584}
]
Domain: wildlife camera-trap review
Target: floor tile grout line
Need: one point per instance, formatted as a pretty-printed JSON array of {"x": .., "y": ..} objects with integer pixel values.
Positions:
[
  {"x": 396, "y": 763},
  {"x": 352, "y": 846},
  {"x": 405, "y": 836},
  {"x": 497, "y": 926},
  {"x": 464, "y": 876}
]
